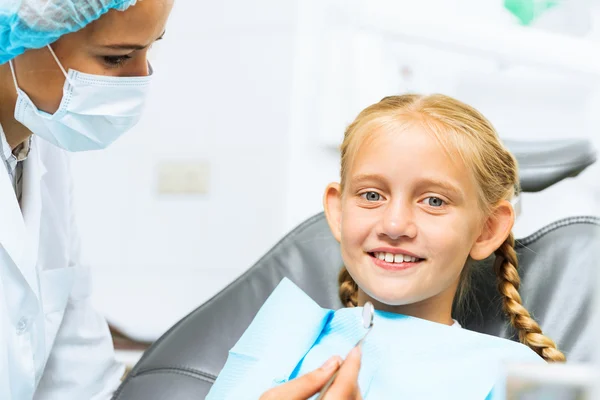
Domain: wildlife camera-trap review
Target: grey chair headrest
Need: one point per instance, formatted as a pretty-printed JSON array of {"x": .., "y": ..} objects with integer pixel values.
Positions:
[
  {"x": 557, "y": 264},
  {"x": 542, "y": 164}
]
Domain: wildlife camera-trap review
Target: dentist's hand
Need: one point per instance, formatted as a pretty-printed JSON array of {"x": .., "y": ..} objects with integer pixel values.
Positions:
[{"x": 345, "y": 386}]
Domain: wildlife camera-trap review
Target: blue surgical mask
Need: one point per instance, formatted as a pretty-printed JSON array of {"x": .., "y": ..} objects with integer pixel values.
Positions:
[{"x": 94, "y": 111}]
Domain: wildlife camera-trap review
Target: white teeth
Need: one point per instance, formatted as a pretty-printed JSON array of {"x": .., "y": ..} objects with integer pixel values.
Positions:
[{"x": 395, "y": 258}]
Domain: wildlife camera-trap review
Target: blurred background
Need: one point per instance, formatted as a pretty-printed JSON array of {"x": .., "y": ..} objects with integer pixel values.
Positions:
[{"x": 250, "y": 101}]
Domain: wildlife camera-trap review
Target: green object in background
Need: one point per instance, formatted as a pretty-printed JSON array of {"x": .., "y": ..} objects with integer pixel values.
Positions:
[{"x": 528, "y": 10}]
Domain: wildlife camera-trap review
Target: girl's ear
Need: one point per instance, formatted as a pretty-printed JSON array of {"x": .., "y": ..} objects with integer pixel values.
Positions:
[
  {"x": 332, "y": 203},
  {"x": 496, "y": 229}
]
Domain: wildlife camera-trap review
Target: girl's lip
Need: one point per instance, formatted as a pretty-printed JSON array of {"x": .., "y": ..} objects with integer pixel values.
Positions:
[{"x": 392, "y": 266}]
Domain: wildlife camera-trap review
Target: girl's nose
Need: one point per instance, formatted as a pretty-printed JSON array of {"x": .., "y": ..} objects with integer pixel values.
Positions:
[{"x": 398, "y": 221}]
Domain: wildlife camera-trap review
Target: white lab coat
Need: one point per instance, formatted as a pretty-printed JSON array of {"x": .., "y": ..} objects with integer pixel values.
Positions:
[{"x": 53, "y": 344}]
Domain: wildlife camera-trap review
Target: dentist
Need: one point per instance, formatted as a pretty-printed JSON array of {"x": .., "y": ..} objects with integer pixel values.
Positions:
[{"x": 73, "y": 77}]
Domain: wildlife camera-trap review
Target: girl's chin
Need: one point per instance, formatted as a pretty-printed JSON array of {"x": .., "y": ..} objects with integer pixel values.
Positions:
[{"x": 389, "y": 298}]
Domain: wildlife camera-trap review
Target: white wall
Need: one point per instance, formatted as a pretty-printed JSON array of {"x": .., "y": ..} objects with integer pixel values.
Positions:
[
  {"x": 260, "y": 91},
  {"x": 221, "y": 95},
  {"x": 341, "y": 70}
]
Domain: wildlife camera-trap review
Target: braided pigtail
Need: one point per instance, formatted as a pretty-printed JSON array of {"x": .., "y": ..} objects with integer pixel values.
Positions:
[
  {"x": 528, "y": 329},
  {"x": 348, "y": 289}
]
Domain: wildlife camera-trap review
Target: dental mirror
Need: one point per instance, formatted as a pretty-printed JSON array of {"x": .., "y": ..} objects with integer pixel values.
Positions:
[{"x": 368, "y": 314}]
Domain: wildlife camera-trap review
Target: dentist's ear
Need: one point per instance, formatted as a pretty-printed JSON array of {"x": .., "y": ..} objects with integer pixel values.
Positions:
[
  {"x": 332, "y": 203},
  {"x": 496, "y": 229}
]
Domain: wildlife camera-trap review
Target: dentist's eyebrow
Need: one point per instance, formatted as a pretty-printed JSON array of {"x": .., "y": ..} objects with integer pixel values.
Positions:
[{"x": 131, "y": 46}]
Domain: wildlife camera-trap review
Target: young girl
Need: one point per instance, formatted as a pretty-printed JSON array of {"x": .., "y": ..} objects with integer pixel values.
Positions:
[{"x": 425, "y": 190}]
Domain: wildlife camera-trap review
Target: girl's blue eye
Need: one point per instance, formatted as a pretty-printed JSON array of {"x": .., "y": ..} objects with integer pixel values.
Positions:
[
  {"x": 434, "y": 201},
  {"x": 371, "y": 196}
]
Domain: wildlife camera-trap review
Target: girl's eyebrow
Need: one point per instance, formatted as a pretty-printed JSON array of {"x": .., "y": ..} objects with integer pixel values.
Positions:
[
  {"x": 362, "y": 178},
  {"x": 445, "y": 185}
]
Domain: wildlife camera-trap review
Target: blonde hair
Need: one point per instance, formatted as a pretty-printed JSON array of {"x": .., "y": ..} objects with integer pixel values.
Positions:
[{"x": 463, "y": 129}]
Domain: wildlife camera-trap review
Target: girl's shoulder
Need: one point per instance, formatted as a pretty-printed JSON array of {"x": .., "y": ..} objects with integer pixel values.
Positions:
[
  {"x": 408, "y": 335},
  {"x": 505, "y": 349}
]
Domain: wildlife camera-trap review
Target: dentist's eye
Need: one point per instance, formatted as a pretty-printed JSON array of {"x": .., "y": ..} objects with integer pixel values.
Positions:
[
  {"x": 371, "y": 196},
  {"x": 115, "y": 61},
  {"x": 434, "y": 201}
]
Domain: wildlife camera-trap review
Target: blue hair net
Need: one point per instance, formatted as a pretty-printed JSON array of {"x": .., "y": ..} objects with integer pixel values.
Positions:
[{"x": 33, "y": 24}]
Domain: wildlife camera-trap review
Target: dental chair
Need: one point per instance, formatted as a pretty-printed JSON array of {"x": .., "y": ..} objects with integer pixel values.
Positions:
[{"x": 557, "y": 266}]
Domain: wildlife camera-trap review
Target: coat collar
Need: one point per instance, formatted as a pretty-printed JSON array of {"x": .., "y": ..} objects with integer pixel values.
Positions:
[{"x": 20, "y": 225}]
